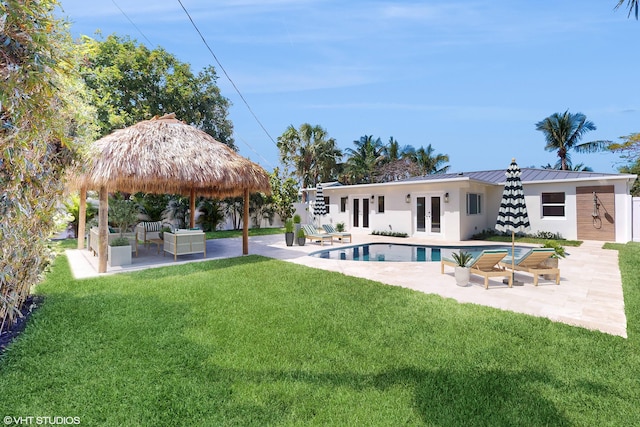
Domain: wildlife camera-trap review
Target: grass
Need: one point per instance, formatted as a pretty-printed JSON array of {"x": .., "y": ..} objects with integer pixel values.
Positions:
[
  {"x": 223, "y": 234},
  {"x": 255, "y": 341},
  {"x": 533, "y": 240}
]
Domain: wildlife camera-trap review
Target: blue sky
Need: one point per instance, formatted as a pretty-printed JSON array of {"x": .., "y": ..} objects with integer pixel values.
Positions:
[{"x": 469, "y": 77}]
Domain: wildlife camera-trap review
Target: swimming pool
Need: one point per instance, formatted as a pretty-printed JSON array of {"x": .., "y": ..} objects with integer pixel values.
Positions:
[{"x": 400, "y": 252}]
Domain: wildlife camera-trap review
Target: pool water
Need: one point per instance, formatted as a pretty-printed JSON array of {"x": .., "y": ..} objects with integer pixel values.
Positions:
[{"x": 398, "y": 252}]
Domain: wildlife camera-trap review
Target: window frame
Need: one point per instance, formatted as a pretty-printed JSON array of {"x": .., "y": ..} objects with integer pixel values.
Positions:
[
  {"x": 547, "y": 206},
  {"x": 344, "y": 201},
  {"x": 380, "y": 204},
  {"x": 478, "y": 204}
]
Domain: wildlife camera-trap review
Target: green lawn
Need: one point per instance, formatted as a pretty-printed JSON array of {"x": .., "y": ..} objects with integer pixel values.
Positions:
[{"x": 256, "y": 341}]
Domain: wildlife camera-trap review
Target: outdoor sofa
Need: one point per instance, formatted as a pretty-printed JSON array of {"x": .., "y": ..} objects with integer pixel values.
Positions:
[{"x": 184, "y": 242}]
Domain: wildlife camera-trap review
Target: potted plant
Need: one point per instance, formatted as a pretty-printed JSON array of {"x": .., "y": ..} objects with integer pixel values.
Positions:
[
  {"x": 462, "y": 272},
  {"x": 119, "y": 252},
  {"x": 124, "y": 214},
  {"x": 296, "y": 223},
  {"x": 301, "y": 237},
  {"x": 340, "y": 227},
  {"x": 553, "y": 260},
  {"x": 288, "y": 232}
]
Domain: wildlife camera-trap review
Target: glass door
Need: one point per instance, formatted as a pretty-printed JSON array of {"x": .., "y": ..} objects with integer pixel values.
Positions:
[
  {"x": 356, "y": 212},
  {"x": 428, "y": 214}
]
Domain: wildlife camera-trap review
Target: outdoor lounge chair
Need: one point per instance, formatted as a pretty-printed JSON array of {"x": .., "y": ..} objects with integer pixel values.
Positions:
[
  {"x": 340, "y": 235},
  {"x": 532, "y": 262},
  {"x": 312, "y": 234},
  {"x": 484, "y": 264}
]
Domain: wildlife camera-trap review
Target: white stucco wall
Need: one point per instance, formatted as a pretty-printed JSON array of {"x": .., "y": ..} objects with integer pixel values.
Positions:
[{"x": 399, "y": 216}]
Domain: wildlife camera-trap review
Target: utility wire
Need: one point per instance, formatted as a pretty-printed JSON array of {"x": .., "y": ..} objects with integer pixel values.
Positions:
[
  {"x": 132, "y": 23},
  {"x": 226, "y": 74},
  {"x": 220, "y": 65}
]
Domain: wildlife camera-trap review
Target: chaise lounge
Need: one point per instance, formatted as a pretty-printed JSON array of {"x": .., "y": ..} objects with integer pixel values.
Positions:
[
  {"x": 532, "y": 262},
  {"x": 312, "y": 234},
  {"x": 340, "y": 235},
  {"x": 485, "y": 264}
]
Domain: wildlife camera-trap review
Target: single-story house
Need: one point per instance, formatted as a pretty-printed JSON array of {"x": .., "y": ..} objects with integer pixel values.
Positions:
[{"x": 455, "y": 206}]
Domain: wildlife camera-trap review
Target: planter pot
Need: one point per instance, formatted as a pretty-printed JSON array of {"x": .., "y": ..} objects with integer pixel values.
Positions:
[
  {"x": 119, "y": 255},
  {"x": 296, "y": 228},
  {"x": 553, "y": 263},
  {"x": 462, "y": 275},
  {"x": 301, "y": 241},
  {"x": 288, "y": 237}
]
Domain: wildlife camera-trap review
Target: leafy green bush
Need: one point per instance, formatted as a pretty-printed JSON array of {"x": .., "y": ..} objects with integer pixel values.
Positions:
[
  {"x": 288, "y": 226},
  {"x": 388, "y": 233},
  {"x": 120, "y": 241},
  {"x": 340, "y": 227}
]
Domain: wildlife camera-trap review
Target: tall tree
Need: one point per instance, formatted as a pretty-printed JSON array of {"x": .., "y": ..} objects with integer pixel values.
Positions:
[
  {"x": 629, "y": 148},
  {"x": 563, "y": 133},
  {"x": 632, "y": 5},
  {"x": 364, "y": 159},
  {"x": 428, "y": 163},
  {"x": 313, "y": 156},
  {"x": 129, "y": 83},
  {"x": 43, "y": 123}
]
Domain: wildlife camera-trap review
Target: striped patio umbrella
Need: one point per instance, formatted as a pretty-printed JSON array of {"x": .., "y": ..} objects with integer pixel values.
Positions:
[
  {"x": 513, "y": 215},
  {"x": 319, "y": 209}
]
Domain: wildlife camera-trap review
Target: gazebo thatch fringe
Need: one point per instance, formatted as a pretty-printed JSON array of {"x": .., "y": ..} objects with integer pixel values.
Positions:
[{"x": 166, "y": 156}]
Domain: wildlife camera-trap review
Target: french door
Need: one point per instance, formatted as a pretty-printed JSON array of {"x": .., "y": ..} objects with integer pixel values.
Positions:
[
  {"x": 428, "y": 214},
  {"x": 361, "y": 218}
]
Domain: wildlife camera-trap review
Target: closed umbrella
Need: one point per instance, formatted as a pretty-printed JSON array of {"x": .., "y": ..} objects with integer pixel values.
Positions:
[
  {"x": 319, "y": 209},
  {"x": 513, "y": 215}
]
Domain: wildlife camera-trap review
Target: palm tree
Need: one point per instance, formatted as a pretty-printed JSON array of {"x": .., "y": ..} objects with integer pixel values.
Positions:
[
  {"x": 428, "y": 163},
  {"x": 363, "y": 160},
  {"x": 632, "y": 4},
  {"x": 393, "y": 151},
  {"x": 563, "y": 133},
  {"x": 313, "y": 156}
]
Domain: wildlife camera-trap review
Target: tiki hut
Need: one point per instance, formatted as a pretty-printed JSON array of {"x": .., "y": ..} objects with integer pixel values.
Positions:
[{"x": 165, "y": 156}]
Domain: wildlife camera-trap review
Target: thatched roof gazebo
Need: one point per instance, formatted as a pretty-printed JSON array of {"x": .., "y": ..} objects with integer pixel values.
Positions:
[{"x": 164, "y": 156}]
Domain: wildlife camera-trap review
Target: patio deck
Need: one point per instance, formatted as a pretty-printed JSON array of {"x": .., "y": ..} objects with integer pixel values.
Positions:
[{"x": 589, "y": 294}]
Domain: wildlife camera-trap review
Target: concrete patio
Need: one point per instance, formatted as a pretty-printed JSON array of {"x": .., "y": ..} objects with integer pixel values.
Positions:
[{"x": 589, "y": 294}]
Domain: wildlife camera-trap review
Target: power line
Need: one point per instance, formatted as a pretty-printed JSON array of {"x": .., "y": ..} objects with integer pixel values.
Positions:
[
  {"x": 132, "y": 23},
  {"x": 226, "y": 74}
]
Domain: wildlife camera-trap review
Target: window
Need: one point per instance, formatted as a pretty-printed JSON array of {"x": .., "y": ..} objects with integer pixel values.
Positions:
[
  {"x": 343, "y": 204},
  {"x": 553, "y": 204},
  {"x": 380, "y": 204},
  {"x": 474, "y": 204},
  {"x": 326, "y": 204}
]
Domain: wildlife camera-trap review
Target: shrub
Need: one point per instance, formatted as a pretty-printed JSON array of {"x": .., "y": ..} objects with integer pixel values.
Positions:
[
  {"x": 288, "y": 226},
  {"x": 340, "y": 227},
  {"x": 389, "y": 233},
  {"x": 296, "y": 219},
  {"x": 120, "y": 241}
]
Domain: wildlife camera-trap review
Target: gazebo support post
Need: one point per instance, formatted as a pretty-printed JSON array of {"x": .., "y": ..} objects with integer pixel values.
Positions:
[
  {"x": 192, "y": 208},
  {"x": 103, "y": 235},
  {"x": 82, "y": 217},
  {"x": 245, "y": 224}
]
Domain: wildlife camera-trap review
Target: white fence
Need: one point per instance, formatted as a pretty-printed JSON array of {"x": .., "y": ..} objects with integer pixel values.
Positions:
[{"x": 635, "y": 218}]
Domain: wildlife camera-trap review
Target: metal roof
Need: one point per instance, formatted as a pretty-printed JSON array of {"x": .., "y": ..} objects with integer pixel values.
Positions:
[{"x": 528, "y": 175}]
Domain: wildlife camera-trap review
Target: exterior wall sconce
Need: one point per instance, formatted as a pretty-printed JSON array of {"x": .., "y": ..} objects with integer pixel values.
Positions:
[
  {"x": 372, "y": 197},
  {"x": 446, "y": 197},
  {"x": 408, "y": 198}
]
